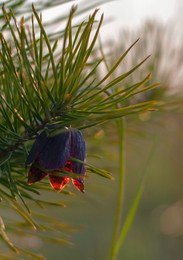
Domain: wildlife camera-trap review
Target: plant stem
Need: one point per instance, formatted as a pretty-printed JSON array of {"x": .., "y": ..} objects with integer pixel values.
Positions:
[
  {"x": 135, "y": 203},
  {"x": 121, "y": 132}
]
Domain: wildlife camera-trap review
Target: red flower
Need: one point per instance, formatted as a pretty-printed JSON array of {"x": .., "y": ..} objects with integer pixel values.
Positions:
[{"x": 52, "y": 152}]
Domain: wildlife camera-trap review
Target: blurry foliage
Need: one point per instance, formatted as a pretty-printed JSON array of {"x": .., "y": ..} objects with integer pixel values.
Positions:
[{"x": 164, "y": 43}]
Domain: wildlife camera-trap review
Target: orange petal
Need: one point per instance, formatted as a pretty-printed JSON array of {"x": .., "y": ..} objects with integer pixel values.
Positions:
[
  {"x": 79, "y": 184},
  {"x": 57, "y": 182}
]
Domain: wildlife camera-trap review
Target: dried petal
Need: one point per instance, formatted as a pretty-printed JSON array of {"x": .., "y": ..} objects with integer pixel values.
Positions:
[
  {"x": 79, "y": 184},
  {"x": 35, "y": 174},
  {"x": 57, "y": 182},
  {"x": 37, "y": 147},
  {"x": 56, "y": 152},
  {"x": 78, "y": 151}
]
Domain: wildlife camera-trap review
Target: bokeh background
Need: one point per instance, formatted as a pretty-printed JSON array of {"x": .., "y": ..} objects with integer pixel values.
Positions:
[{"x": 157, "y": 231}]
